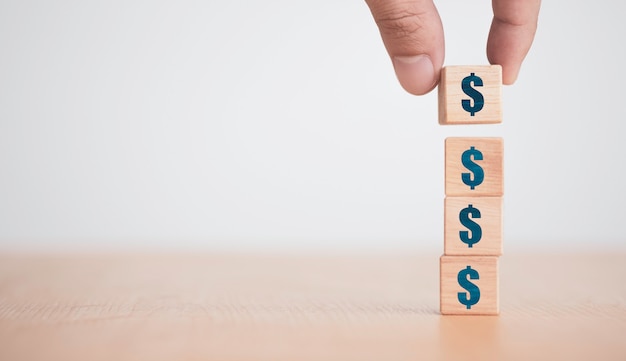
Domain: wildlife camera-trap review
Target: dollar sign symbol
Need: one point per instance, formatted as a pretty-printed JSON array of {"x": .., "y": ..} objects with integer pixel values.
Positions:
[
  {"x": 474, "y": 292},
  {"x": 479, "y": 175},
  {"x": 479, "y": 101},
  {"x": 477, "y": 232}
]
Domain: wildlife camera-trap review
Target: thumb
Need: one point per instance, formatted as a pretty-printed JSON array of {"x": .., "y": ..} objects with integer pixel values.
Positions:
[{"x": 413, "y": 36}]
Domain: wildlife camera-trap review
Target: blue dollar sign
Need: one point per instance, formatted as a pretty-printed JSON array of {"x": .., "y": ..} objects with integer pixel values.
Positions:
[
  {"x": 479, "y": 175},
  {"x": 479, "y": 101},
  {"x": 474, "y": 291},
  {"x": 477, "y": 232}
]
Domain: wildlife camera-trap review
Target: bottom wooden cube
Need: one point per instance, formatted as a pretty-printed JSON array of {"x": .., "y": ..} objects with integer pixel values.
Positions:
[{"x": 468, "y": 285}]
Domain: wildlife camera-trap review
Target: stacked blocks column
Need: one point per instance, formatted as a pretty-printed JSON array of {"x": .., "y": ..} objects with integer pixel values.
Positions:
[{"x": 474, "y": 188}]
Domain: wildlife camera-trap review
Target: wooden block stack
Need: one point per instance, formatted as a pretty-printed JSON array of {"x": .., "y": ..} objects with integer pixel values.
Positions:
[{"x": 474, "y": 190}]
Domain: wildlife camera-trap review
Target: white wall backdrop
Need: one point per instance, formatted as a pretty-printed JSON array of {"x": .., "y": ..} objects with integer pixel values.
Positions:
[{"x": 280, "y": 125}]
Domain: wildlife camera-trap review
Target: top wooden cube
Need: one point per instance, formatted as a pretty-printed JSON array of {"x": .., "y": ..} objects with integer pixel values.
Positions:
[{"x": 470, "y": 95}]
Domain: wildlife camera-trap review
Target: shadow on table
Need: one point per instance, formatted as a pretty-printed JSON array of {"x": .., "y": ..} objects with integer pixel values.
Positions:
[{"x": 469, "y": 337}]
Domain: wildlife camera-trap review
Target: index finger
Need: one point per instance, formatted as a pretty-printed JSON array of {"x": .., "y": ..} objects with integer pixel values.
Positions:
[{"x": 512, "y": 32}]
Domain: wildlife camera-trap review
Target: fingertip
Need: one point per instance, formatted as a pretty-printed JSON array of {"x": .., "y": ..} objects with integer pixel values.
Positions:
[
  {"x": 511, "y": 35},
  {"x": 413, "y": 36},
  {"x": 416, "y": 74},
  {"x": 510, "y": 72},
  {"x": 501, "y": 50},
  {"x": 509, "y": 76}
]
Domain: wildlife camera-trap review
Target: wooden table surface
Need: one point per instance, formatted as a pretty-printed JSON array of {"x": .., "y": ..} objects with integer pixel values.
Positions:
[{"x": 303, "y": 307}]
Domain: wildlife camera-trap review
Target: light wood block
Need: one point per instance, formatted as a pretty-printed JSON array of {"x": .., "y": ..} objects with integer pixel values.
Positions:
[
  {"x": 473, "y": 226},
  {"x": 468, "y": 285},
  {"x": 482, "y": 173},
  {"x": 483, "y": 100}
]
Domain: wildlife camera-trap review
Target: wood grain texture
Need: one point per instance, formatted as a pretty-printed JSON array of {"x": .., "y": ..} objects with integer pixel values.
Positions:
[
  {"x": 303, "y": 307},
  {"x": 490, "y": 222},
  {"x": 492, "y": 151},
  {"x": 486, "y": 280},
  {"x": 451, "y": 94}
]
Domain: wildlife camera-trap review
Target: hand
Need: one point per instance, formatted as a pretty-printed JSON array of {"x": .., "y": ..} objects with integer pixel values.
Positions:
[{"x": 413, "y": 36}]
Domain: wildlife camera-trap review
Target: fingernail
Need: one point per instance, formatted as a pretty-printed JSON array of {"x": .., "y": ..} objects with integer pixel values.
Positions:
[{"x": 415, "y": 73}]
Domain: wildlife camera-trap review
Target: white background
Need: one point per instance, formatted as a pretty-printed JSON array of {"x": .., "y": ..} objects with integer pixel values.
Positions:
[{"x": 279, "y": 125}]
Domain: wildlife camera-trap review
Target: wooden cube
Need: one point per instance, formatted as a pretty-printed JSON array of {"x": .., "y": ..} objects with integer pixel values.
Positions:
[
  {"x": 470, "y": 95},
  {"x": 469, "y": 285},
  {"x": 474, "y": 167},
  {"x": 472, "y": 226}
]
